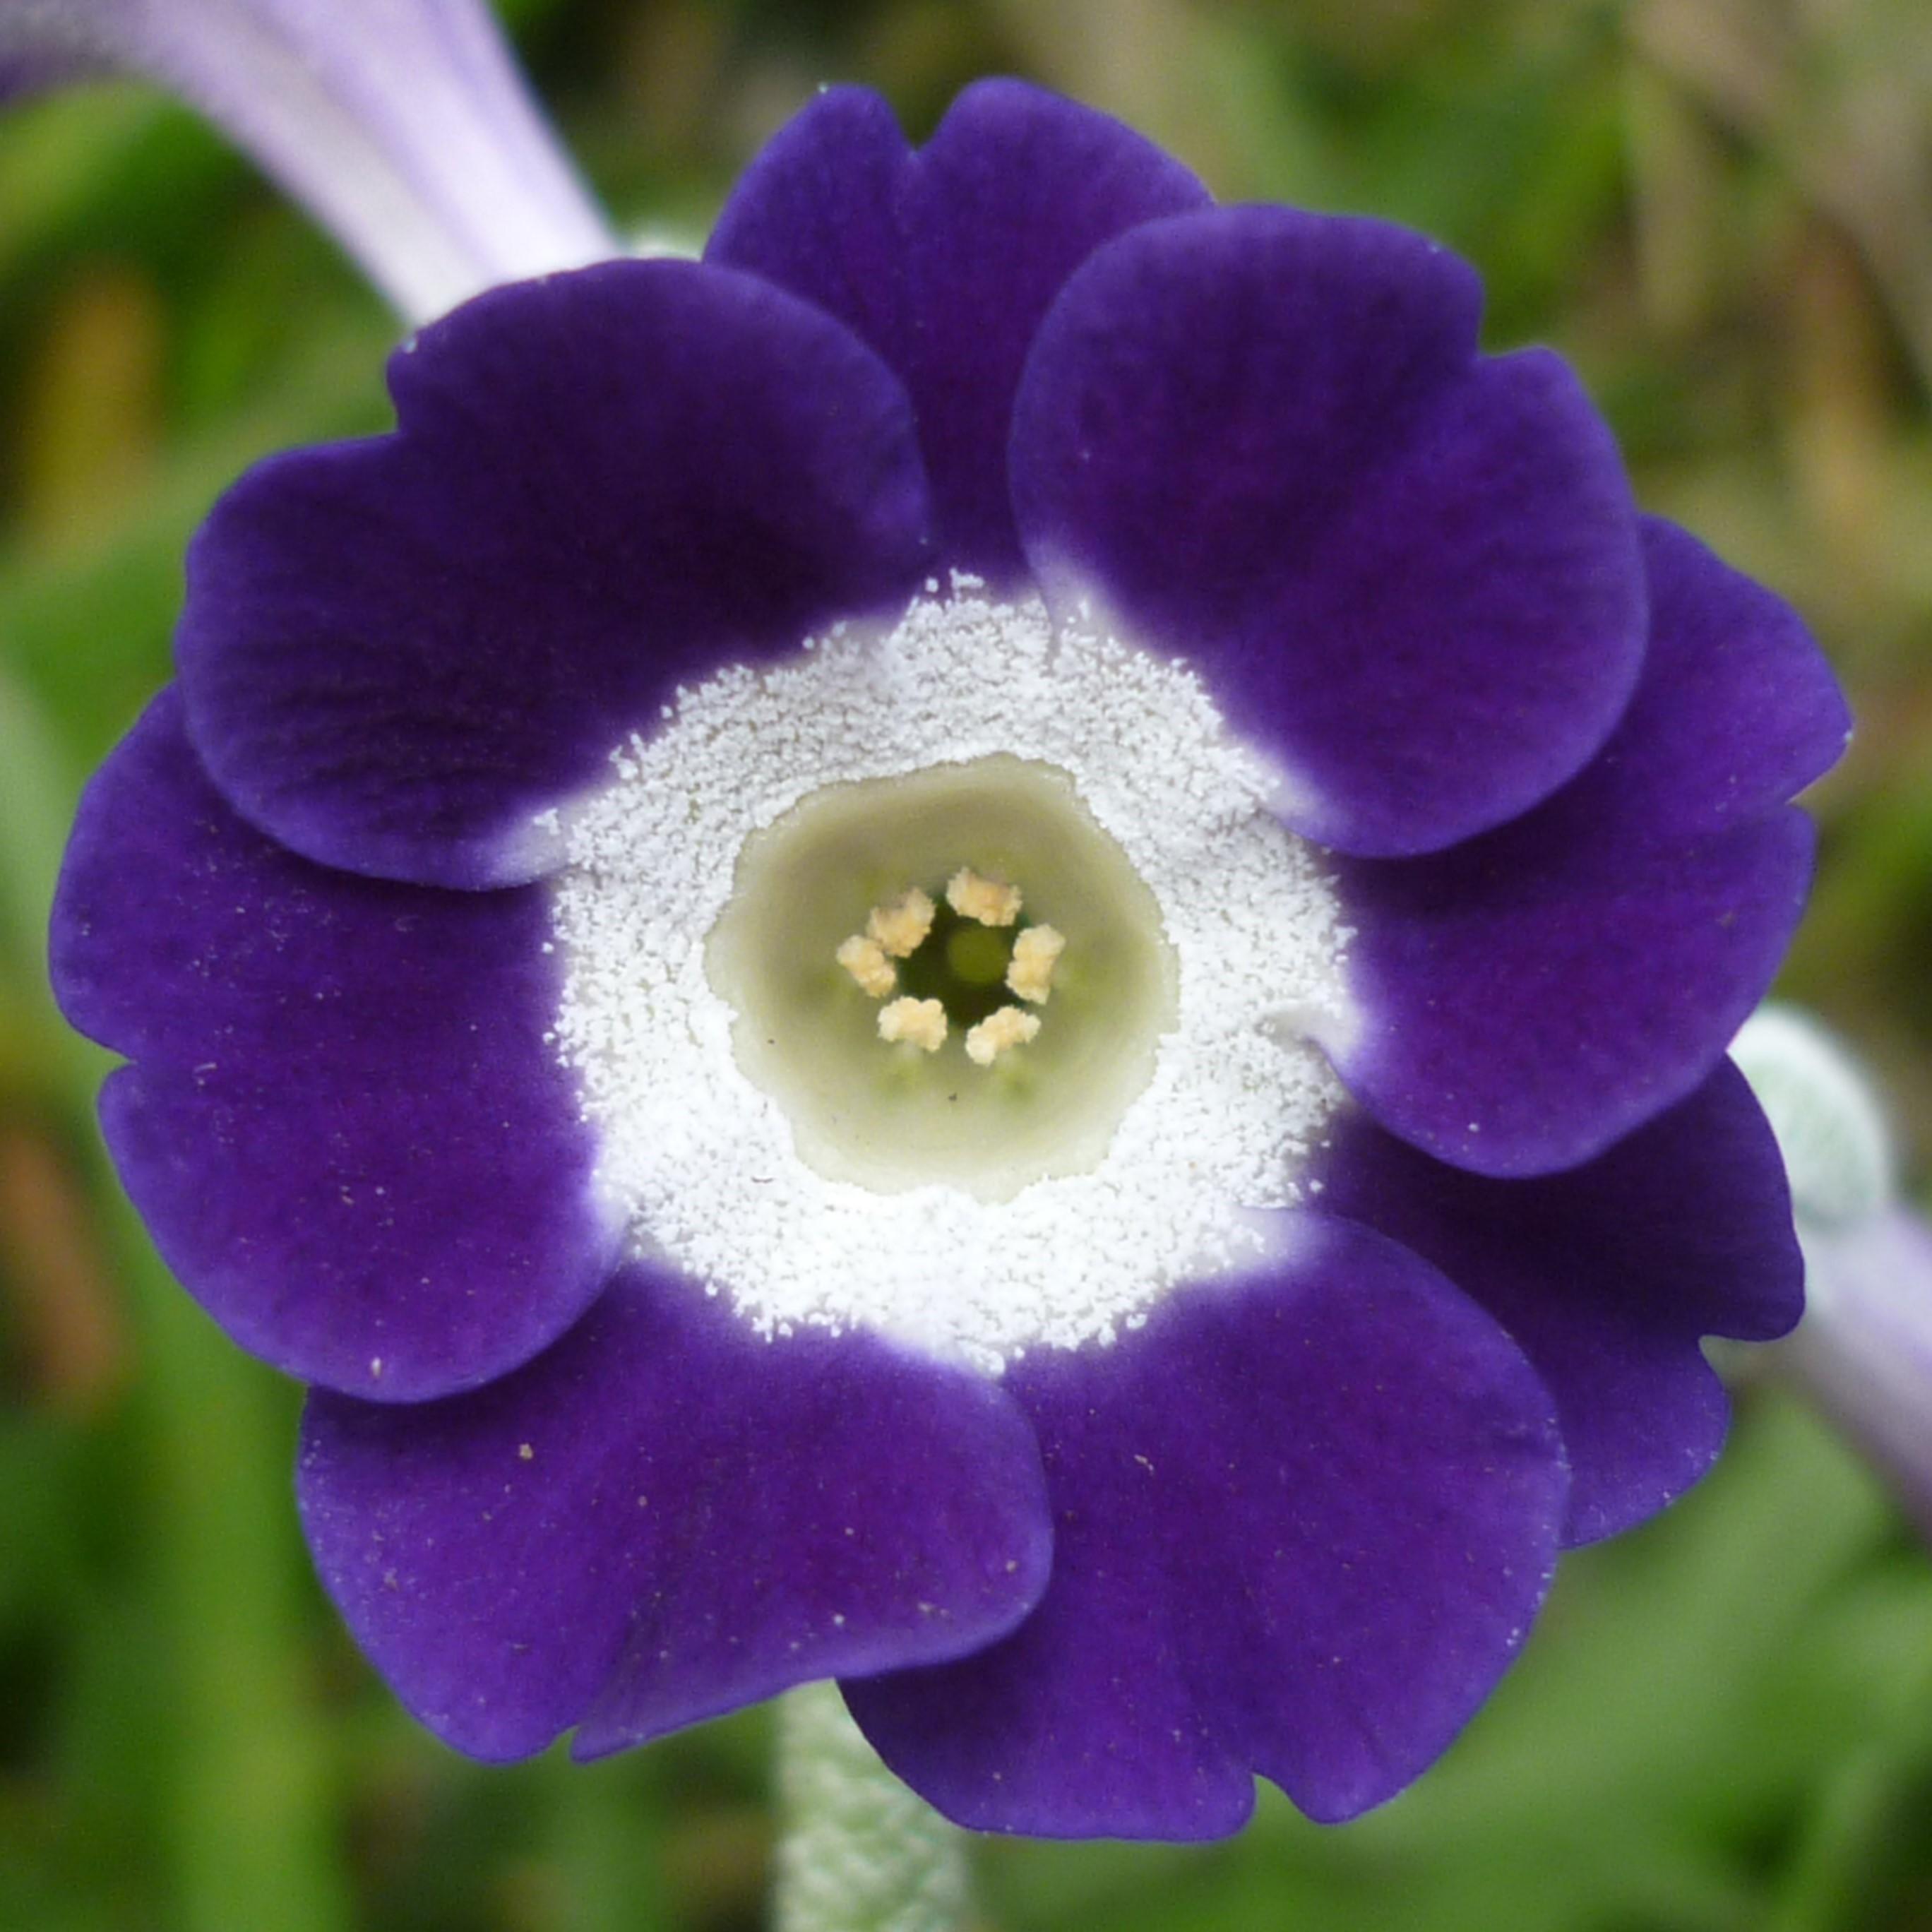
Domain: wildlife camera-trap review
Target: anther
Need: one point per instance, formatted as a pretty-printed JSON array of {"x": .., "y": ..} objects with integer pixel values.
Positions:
[
  {"x": 998, "y": 1033},
  {"x": 986, "y": 900},
  {"x": 866, "y": 960},
  {"x": 922, "y": 1022},
  {"x": 1035, "y": 953},
  {"x": 901, "y": 925}
]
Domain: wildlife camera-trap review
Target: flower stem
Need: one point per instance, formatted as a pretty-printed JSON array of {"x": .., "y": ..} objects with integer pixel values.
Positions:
[{"x": 857, "y": 1851}]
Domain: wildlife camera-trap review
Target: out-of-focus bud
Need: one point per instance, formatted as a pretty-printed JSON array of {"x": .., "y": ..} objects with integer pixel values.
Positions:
[
  {"x": 1863, "y": 1351},
  {"x": 403, "y": 126}
]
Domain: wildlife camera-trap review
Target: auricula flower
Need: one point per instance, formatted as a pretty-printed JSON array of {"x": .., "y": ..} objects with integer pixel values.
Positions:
[
  {"x": 403, "y": 124},
  {"x": 1863, "y": 1352},
  {"x": 987, "y": 950}
]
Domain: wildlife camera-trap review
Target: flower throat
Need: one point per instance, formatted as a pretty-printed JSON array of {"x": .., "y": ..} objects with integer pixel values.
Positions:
[
  {"x": 985, "y": 1025},
  {"x": 756, "y": 1126}
]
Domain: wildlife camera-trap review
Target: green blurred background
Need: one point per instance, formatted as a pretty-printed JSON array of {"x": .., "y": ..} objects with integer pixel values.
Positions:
[{"x": 1722, "y": 210}]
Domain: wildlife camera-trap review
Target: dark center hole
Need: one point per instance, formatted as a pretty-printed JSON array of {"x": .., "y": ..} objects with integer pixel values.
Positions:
[{"x": 962, "y": 964}]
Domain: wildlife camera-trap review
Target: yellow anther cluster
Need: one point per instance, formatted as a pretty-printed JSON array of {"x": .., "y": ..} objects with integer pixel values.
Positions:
[
  {"x": 897, "y": 929},
  {"x": 987, "y": 900},
  {"x": 900, "y": 926},
  {"x": 1035, "y": 953},
  {"x": 999, "y": 1033},
  {"x": 922, "y": 1022},
  {"x": 866, "y": 960}
]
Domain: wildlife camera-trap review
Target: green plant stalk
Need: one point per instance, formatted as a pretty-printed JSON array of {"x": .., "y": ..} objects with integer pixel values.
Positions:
[{"x": 857, "y": 1852}]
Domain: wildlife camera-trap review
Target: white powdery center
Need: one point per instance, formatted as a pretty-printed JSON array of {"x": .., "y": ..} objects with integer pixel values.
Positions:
[{"x": 703, "y": 1160}]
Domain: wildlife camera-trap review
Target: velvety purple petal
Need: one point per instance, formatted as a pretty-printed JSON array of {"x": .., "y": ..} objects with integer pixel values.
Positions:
[
  {"x": 1607, "y": 1277},
  {"x": 1264, "y": 440},
  {"x": 397, "y": 652},
  {"x": 402, "y": 125},
  {"x": 344, "y": 1129},
  {"x": 29, "y": 69},
  {"x": 1301, "y": 1525},
  {"x": 666, "y": 1516},
  {"x": 945, "y": 260},
  {"x": 1529, "y": 996},
  {"x": 1737, "y": 710}
]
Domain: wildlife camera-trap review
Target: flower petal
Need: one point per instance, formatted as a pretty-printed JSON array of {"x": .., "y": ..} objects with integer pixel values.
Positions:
[
  {"x": 402, "y": 125},
  {"x": 945, "y": 258},
  {"x": 397, "y": 652},
  {"x": 1264, "y": 440},
  {"x": 1531, "y": 997},
  {"x": 28, "y": 68},
  {"x": 1608, "y": 1277},
  {"x": 666, "y": 1516},
  {"x": 1864, "y": 1351},
  {"x": 1301, "y": 1526},
  {"x": 1737, "y": 710},
  {"x": 1527, "y": 996},
  {"x": 346, "y": 1132}
]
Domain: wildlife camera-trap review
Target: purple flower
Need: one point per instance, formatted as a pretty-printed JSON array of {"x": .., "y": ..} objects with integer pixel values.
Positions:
[
  {"x": 986, "y": 949},
  {"x": 402, "y": 125},
  {"x": 1863, "y": 1353}
]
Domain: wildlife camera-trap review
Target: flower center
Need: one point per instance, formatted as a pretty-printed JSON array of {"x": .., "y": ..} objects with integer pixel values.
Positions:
[
  {"x": 984, "y": 1026},
  {"x": 951, "y": 979}
]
